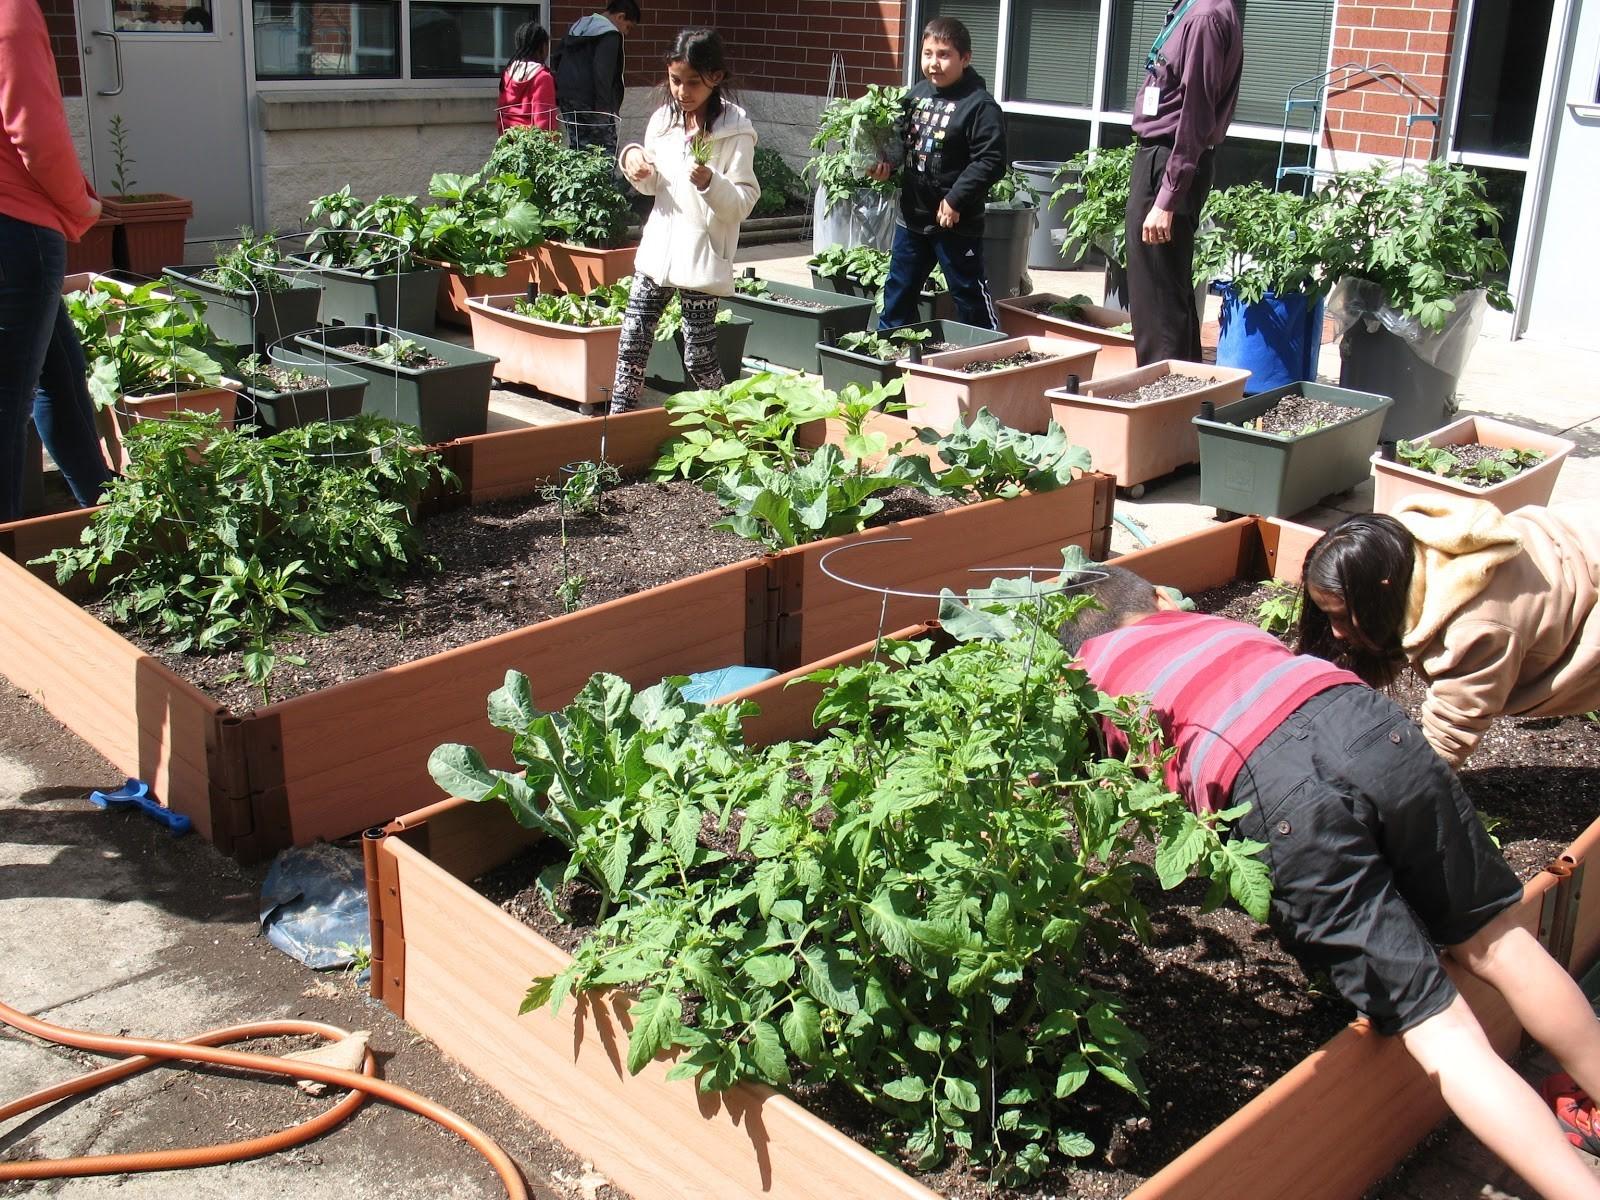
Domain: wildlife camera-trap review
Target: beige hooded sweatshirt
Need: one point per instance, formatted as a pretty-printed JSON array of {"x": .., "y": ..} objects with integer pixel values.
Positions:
[{"x": 1502, "y": 615}]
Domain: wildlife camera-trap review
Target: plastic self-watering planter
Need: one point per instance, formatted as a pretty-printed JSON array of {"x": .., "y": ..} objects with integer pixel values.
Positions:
[
  {"x": 580, "y": 269},
  {"x": 406, "y": 300},
  {"x": 456, "y": 287},
  {"x": 940, "y": 393},
  {"x": 1020, "y": 316},
  {"x": 1140, "y": 441},
  {"x": 933, "y": 306},
  {"x": 337, "y": 400},
  {"x": 1277, "y": 338},
  {"x": 255, "y": 318},
  {"x": 1270, "y": 475},
  {"x": 788, "y": 335},
  {"x": 665, "y": 371},
  {"x": 575, "y": 362},
  {"x": 445, "y": 402},
  {"x": 841, "y": 367},
  {"x": 1394, "y": 481}
]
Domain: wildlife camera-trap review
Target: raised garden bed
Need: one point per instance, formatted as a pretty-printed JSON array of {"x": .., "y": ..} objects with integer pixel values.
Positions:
[
  {"x": 575, "y": 362},
  {"x": 946, "y": 388},
  {"x": 1534, "y": 483},
  {"x": 456, "y": 966},
  {"x": 333, "y": 761},
  {"x": 841, "y": 366},
  {"x": 406, "y": 300},
  {"x": 1246, "y": 470},
  {"x": 1140, "y": 426},
  {"x": 788, "y": 321},
  {"x": 1031, "y": 316}
]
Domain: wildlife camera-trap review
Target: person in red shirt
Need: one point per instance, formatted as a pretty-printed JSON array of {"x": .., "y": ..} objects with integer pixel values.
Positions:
[
  {"x": 527, "y": 88},
  {"x": 44, "y": 201},
  {"x": 1377, "y": 856}
]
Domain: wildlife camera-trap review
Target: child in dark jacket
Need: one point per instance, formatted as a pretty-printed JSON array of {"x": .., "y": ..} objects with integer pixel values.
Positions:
[
  {"x": 1376, "y": 854},
  {"x": 952, "y": 146}
]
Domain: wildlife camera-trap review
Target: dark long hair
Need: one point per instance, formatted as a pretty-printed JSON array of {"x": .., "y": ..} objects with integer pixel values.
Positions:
[
  {"x": 1367, "y": 562},
  {"x": 701, "y": 51},
  {"x": 530, "y": 43}
]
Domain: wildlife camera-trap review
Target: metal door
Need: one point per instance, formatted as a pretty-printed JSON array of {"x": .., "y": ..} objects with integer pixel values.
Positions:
[{"x": 174, "y": 71}]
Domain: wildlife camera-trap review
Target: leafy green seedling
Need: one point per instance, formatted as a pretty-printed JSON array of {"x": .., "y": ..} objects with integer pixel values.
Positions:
[{"x": 1280, "y": 608}]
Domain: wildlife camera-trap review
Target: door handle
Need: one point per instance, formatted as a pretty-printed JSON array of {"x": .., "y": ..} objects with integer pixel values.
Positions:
[{"x": 116, "y": 57}]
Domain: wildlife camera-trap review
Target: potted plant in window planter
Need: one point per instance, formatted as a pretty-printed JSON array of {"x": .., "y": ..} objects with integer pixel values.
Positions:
[
  {"x": 289, "y": 389},
  {"x": 364, "y": 256},
  {"x": 787, "y": 321},
  {"x": 665, "y": 371},
  {"x": 1047, "y": 314},
  {"x": 852, "y": 208},
  {"x": 864, "y": 271},
  {"x": 441, "y": 388},
  {"x": 1008, "y": 221},
  {"x": 254, "y": 298},
  {"x": 1417, "y": 256},
  {"x": 1278, "y": 453},
  {"x": 482, "y": 239},
  {"x": 149, "y": 233},
  {"x": 1266, "y": 250},
  {"x": 1475, "y": 457},
  {"x": 1139, "y": 426},
  {"x": 1008, "y": 377},
  {"x": 871, "y": 359},
  {"x": 563, "y": 344}
]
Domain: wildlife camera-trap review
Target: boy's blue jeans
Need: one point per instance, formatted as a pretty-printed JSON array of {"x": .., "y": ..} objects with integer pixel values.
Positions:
[
  {"x": 915, "y": 254},
  {"x": 42, "y": 372}
]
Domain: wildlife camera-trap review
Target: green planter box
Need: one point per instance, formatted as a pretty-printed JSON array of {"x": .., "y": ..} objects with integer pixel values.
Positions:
[
  {"x": 445, "y": 402},
  {"x": 665, "y": 371},
  {"x": 406, "y": 301},
  {"x": 256, "y": 320},
  {"x": 339, "y": 401},
  {"x": 934, "y": 306},
  {"x": 841, "y": 367},
  {"x": 788, "y": 336},
  {"x": 1243, "y": 471}
]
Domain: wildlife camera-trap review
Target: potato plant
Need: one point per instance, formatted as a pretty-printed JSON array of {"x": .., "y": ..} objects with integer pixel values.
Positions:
[{"x": 914, "y": 895}]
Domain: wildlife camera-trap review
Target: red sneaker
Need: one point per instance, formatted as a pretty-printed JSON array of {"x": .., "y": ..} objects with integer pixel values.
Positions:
[{"x": 1574, "y": 1112}]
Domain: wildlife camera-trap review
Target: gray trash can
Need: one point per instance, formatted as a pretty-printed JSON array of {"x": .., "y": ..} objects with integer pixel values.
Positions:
[{"x": 1044, "y": 247}]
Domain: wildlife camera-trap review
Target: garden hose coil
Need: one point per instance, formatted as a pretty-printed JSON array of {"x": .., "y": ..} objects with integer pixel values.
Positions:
[{"x": 140, "y": 1054}]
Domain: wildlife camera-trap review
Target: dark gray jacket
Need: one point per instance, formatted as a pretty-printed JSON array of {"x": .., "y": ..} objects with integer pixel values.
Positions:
[{"x": 588, "y": 66}]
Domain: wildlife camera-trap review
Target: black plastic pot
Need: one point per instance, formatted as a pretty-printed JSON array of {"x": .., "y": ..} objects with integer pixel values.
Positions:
[
  {"x": 665, "y": 371},
  {"x": 251, "y": 319},
  {"x": 445, "y": 402},
  {"x": 841, "y": 367},
  {"x": 783, "y": 334},
  {"x": 340, "y": 400},
  {"x": 1382, "y": 362},
  {"x": 405, "y": 301}
]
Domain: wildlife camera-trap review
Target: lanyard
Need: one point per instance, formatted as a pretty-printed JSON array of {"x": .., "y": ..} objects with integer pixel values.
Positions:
[{"x": 1166, "y": 33}]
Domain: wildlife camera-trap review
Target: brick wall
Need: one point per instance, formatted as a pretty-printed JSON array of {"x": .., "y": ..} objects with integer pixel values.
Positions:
[
  {"x": 773, "y": 45},
  {"x": 64, "y": 39},
  {"x": 1414, "y": 37}
]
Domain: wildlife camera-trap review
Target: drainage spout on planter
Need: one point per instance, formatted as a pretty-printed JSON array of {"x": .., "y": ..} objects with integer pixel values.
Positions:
[
  {"x": 1073, "y": 384},
  {"x": 1208, "y": 410},
  {"x": 915, "y": 352}
]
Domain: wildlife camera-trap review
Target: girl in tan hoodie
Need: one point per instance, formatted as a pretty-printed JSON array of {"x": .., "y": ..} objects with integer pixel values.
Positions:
[{"x": 1498, "y": 613}]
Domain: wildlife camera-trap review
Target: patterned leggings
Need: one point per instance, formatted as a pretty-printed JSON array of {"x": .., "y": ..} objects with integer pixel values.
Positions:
[{"x": 646, "y": 303}]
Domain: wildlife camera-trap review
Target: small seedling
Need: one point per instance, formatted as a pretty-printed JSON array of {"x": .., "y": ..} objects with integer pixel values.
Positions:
[
  {"x": 1435, "y": 460},
  {"x": 360, "y": 955},
  {"x": 585, "y": 483},
  {"x": 122, "y": 183},
  {"x": 400, "y": 352},
  {"x": 570, "y": 592},
  {"x": 749, "y": 285},
  {"x": 1279, "y": 610}
]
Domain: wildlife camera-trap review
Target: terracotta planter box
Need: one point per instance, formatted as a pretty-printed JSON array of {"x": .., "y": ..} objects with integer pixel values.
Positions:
[
  {"x": 575, "y": 362},
  {"x": 1139, "y": 442},
  {"x": 941, "y": 395},
  {"x": 333, "y": 762},
  {"x": 150, "y": 235},
  {"x": 1018, "y": 319},
  {"x": 455, "y": 966},
  {"x": 456, "y": 287},
  {"x": 1394, "y": 481},
  {"x": 561, "y": 267},
  {"x": 93, "y": 251}
]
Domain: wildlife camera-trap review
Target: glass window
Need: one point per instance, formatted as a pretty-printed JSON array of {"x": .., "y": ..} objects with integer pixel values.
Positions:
[
  {"x": 299, "y": 39},
  {"x": 463, "y": 40},
  {"x": 982, "y": 19},
  {"x": 153, "y": 16},
  {"x": 1053, "y": 49},
  {"x": 1050, "y": 138},
  {"x": 1500, "y": 85}
]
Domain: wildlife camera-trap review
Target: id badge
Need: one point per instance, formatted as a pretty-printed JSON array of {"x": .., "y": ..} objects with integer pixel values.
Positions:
[{"x": 1152, "y": 100}]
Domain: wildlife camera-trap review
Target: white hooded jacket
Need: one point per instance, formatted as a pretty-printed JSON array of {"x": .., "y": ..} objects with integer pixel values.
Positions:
[{"x": 692, "y": 236}]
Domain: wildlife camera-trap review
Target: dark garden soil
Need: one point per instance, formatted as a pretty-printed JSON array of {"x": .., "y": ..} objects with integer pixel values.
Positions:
[
  {"x": 287, "y": 379},
  {"x": 1160, "y": 389},
  {"x": 1294, "y": 415},
  {"x": 420, "y": 360},
  {"x": 1226, "y": 1011},
  {"x": 1020, "y": 359},
  {"x": 500, "y": 570}
]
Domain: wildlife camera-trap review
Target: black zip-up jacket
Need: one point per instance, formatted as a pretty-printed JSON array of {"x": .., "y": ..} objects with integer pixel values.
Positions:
[
  {"x": 953, "y": 147},
  {"x": 588, "y": 66}
]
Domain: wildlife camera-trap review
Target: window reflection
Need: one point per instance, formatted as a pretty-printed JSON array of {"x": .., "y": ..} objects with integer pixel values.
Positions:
[{"x": 299, "y": 40}]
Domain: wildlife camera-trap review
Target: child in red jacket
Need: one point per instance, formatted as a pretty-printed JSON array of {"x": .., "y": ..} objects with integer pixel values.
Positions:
[{"x": 527, "y": 88}]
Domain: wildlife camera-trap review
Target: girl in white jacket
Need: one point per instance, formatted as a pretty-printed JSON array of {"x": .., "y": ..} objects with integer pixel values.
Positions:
[{"x": 698, "y": 161}]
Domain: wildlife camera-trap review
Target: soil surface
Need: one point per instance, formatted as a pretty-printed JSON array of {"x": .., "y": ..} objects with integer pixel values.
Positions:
[
  {"x": 1160, "y": 389},
  {"x": 288, "y": 379},
  {"x": 1225, "y": 1009},
  {"x": 501, "y": 569},
  {"x": 1020, "y": 359},
  {"x": 1294, "y": 415},
  {"x": 417, "y": 360},
  {"x": 1470, "y": 454}
]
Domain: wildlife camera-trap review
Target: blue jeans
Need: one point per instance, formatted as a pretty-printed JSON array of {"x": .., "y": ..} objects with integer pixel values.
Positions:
[
  {"x": 42, "y": 371},
  {"x": 912, "y": 262}
]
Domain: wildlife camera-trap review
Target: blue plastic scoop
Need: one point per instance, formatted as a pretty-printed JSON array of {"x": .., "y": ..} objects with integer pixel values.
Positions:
[{"x": 136, "y": 793}]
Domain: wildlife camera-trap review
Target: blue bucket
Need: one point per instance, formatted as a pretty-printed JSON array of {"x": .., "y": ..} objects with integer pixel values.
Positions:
[{"x": 1276, "y": 339}]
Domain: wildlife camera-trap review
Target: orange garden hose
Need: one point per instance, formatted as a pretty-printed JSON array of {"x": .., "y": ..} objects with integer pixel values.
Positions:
[{"x": 203, "y": 1048}]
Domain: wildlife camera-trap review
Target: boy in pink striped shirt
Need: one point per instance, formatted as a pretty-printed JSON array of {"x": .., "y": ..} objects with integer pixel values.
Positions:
[{"x": 1377, "y": 855}]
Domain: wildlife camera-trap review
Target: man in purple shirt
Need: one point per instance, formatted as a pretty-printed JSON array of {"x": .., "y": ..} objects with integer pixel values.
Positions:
[{"x": 1181, "y": 113}]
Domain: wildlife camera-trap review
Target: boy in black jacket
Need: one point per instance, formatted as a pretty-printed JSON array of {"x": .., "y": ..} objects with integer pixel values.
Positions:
[{"x": 952, "y": 145}]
